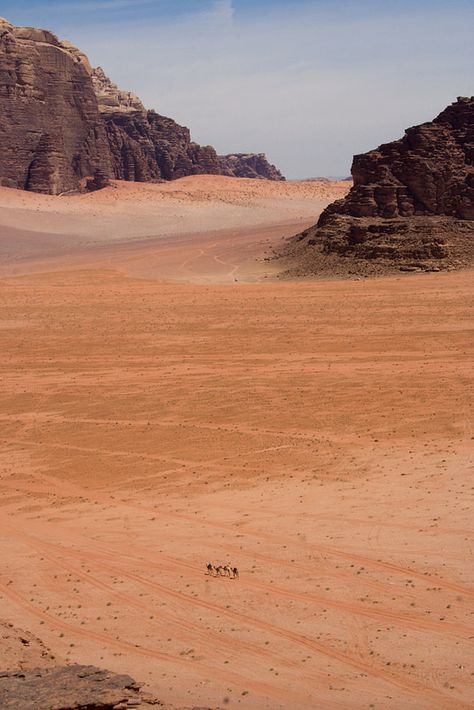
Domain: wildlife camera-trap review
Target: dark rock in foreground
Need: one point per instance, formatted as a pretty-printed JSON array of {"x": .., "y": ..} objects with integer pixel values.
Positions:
[
  {"x": 70, "y": 688},
  {"x": 411, "y": 206}
]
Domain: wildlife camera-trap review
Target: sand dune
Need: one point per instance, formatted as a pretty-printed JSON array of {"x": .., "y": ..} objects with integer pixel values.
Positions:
[
  {"x": 315, "y": 435},
  {"x": 187, "y": 230}
]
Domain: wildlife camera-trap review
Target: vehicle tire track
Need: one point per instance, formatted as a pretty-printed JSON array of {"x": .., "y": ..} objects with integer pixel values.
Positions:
[
  {"x": 297, "y": 638},
  {"x": 242, "y": 681}
]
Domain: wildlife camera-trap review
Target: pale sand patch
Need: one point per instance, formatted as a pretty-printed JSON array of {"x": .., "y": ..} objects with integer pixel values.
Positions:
[
  {"x": 315, "y": 435},
  {"x": 201, "y": 228}
]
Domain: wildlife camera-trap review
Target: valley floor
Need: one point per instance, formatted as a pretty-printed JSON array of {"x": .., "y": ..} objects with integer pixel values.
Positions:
[{"x": 314, "y": 434}]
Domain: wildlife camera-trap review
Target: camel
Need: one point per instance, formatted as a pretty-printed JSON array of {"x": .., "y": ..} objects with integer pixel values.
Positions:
[{"x": 222, "y": 571}]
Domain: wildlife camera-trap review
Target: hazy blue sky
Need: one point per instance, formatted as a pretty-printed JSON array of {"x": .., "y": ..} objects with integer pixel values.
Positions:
[{"x": 309, "y": 82}]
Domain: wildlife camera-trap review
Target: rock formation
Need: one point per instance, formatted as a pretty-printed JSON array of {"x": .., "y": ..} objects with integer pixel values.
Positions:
[
  {"x": 412, "y": 203},
  {"x": 249, "y": 165},
  {"x": 52, "y": 135},
  {"x": 110, "y": 97},
  {"x": 147, "y": 147},
  {"x": 70, "y": 688},
  {"x": 32, "y": 678},
  {"x": 66, "y": 126}
]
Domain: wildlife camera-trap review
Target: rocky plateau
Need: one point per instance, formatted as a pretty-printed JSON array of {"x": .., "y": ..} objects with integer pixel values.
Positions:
[{"x": 65, "y": 126}]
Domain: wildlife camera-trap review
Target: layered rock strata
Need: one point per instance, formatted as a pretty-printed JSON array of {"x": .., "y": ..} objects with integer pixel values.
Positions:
[
  {"x": 145, "y": 146},
  {"x": 65, "y": 126},
  {"x": 412, "y": 203},
  {"x": 52, "y": 135}
]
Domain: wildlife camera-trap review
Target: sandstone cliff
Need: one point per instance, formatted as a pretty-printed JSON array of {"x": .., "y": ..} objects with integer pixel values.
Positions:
[
  {"x": 146, "y": 146},
  {"x": 52, "y": 135},
  {"x": 412, "y": 203},
  {"x": 63, "y": 123}
]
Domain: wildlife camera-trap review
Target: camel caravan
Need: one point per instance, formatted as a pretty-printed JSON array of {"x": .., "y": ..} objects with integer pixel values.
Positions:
[{"x": 222, "y": 571}]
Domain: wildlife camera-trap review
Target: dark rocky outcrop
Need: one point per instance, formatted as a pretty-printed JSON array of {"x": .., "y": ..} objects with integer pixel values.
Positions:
[
  {"x": 70, "y": 688},
  {"x": 32, "y": 678},
  {"x": 66, "y": 126},
  {"x": 145, "y": 146},
  {"x": 412, "y": 203},
  {"x": 249, "y": 165},
  {"x": 52, "y": 135}
]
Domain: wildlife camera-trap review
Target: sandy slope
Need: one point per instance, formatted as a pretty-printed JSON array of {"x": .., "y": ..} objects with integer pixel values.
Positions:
[
  {"x": 213, "y": 218},
  {"x": 316, "y": 435}
]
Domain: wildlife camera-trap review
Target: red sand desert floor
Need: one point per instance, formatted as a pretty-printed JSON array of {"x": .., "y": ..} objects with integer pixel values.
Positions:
[{"x": 315, "y": 435}]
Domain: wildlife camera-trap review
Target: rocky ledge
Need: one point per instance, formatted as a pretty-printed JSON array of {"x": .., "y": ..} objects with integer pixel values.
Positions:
[
  {"x": 71, "y": 688},
  {"x": 411, "y": 206}
]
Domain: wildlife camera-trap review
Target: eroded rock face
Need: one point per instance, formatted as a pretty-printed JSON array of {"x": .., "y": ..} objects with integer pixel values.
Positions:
[
  {"x": 65, "y": 126},
  {"x": 110, "y": 97},
  {"x": 249, "y": 165},
  {"x": 70, "y": 688},
  {"x": 147, "y": 147},
  {"x": 52, "y": 135},
  {"x": 412, "y": 200}
]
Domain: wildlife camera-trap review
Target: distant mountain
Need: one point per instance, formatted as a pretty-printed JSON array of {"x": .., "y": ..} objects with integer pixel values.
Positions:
[
  {"x": 249, "y": 165},
  {"x": 63, "y": 122},
  {"x": 411, "y": 206}
]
